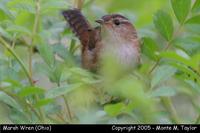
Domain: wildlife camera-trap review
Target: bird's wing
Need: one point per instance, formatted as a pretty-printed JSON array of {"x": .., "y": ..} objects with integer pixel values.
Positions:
[{"x": 81, "y": 27}]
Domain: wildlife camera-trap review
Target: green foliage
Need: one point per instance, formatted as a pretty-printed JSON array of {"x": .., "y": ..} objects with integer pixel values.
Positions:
[
  {"x": 28, "y": 91},
  {"x": 194, "y": 20},
  {"x": 149, "y": 47},
  {"x": 181, "y": 9},
  {"x": 164, "y": 24},
  {"x": 196, "y": 6},
  {"x": 56, "y": 92},
  {"x": 47, "y": 54},
  {"x": 41, "y": 79},
  {"x": 114, "y": 109},
  {"x": 161, "y": 76},
  {"x": 164, "y": 92},
  {"x": 10, "y": 101}
]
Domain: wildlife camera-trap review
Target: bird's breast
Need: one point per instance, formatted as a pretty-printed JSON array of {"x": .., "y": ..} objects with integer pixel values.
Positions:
[{"x": 124, "y": 54}]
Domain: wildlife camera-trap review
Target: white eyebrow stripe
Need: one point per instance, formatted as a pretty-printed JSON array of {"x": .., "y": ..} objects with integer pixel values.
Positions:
[{"x": 124, "y": 20}]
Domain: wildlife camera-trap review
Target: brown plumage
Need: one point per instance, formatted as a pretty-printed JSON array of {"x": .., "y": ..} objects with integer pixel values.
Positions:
[{"x": 115, "y": 36}]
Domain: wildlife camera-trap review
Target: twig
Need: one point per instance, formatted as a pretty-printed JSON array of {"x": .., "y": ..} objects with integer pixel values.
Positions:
[{"x": 166, "y": 101}]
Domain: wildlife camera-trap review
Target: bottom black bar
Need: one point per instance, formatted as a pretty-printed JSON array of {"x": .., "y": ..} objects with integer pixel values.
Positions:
[{"x": 100, "y": 128}]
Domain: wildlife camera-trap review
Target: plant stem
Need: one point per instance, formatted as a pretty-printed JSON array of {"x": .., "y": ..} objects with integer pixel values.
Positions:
[
  {"x": 8, "y": 47},
  {"x": 68, "y": 108},
  {"x": 198, "y": 120},
  {"x": 169, "y": 43},
  {"x": 34, "y": 32},
  {"x": 66, "y": 104},
  {"x": 158, "y": 61},
  {"x": 78, "y": 4},
  {"x": 167, "y": 103},
  {"x": 32, "y": 44}
]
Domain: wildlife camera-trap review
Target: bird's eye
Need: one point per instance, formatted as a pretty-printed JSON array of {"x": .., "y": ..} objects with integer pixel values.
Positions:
[{"x": 116, "y": 22}]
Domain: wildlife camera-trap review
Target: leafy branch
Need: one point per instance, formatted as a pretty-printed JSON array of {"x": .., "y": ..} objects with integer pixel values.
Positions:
[
  {"x": 168, "y": 45},
  {"x": 17, "y": 98},
  {"x": 8, "y": 47},
  {"x": 164, "y": 25}
]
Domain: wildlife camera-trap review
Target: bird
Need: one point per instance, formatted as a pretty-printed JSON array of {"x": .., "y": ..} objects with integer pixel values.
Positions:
[{"x": 115, "y": 37}]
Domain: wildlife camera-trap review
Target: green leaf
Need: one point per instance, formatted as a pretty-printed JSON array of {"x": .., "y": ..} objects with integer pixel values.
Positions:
[
  {"x": 4, "y": 33},
  {"x": 194, "y": 86},
  {"x": 43, "y": 102},
  {"x": 193, "y": 29},
  {"x": 52, "y": 5},
  {"x": 21, "y": 5},
  {"x": 196, "y": 6},
  {"x": 73, "y": 47},
  {"x": 186, "y": 69},
  {"x": 31, "y": 91},
  {"x": 3, "y": 16},
  {"x": 19, "y": 117},
  {"x": 181, "y": 9},
  {"x": 114, "y": 109},
  {"x": 62, "y": 52},
  {"x": 56, "y": 92},
  {"x": 162, "y": 74},
  {"x": 13, "y": 84},
  {"x": 195, "y": 61},
  {"x": 19, "y": 29},
  {"x": 25, "y": 20},
  {"x": 190, "y": 44},
  {"x": 10, "y": 101},
  {"x": 194, "y": 20},
  {"x": 5, "y": 11},
  {"x": 43, "y": 68},
  {"x": 149, "y": 47},
  {"x": 164, "y": 91},
  {"x": 175, "y": 57},
  {"x": 4, "y": 115},
  {"x": 57, "y": 71},
  {"x": 47, "y": 54},
  {"x": 164, "y": 24}
]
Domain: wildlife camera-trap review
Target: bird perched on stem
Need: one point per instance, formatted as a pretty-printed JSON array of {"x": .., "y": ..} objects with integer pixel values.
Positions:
[{"x": 116, "y": 37}]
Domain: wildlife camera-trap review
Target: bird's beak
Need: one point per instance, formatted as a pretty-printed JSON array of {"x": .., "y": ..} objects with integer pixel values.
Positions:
[{"x": 100, "y": 21}]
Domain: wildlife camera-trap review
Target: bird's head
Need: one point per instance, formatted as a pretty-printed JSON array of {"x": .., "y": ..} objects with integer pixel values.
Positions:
[{"x": 117, "y": 26}]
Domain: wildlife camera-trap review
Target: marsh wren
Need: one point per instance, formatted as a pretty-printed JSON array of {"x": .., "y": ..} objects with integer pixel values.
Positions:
[{"x": 115, "y": 37}]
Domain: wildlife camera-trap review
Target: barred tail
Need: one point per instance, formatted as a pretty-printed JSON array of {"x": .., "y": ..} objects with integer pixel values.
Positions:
[{"x": 78, "y": 23}]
